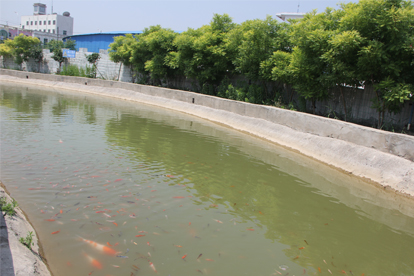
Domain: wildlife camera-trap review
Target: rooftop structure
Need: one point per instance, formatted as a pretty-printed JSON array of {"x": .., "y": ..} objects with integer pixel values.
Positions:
[
  {"x": 95, "y": 42},
  {"x": 290, "y": 15},
  {"x": 40, "y": 21}
]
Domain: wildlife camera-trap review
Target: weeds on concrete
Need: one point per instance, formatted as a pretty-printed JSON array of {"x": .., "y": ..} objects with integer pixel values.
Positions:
[
  {"x": 28, "y": 240},
  {"x": 8, "y": 208}
]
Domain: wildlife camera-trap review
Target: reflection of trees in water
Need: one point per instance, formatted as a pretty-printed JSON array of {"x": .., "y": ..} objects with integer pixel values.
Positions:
[
  {"x": 22, "y": 101},
  {"x": 289, "y": 209}
]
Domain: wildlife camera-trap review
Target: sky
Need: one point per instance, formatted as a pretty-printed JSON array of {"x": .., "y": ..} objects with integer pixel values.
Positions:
[{"x": 92, "y": 16}]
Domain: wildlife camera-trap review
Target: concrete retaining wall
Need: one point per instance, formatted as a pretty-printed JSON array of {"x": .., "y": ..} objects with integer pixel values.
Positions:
[{"x": 383, "y": 157}]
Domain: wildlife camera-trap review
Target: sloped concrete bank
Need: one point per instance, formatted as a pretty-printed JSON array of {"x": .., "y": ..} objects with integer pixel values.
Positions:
[
  {"x": 381, "y": 157},
  {"x": 16, "y": 258}
]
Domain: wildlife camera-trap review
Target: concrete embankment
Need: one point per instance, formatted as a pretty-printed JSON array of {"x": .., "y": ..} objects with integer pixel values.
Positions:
[
  {"x": 16, "y": 258},
  {"x": 381, "y": 157}
]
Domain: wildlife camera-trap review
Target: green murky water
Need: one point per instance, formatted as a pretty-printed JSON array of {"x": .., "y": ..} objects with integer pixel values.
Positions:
[{"x": 189, "y": 197}]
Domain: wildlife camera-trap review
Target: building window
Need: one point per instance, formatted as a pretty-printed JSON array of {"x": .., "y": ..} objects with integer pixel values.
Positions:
[
  {"x": 53, "y": 31},
  {"x": 45, "y": 41},
  {"x": 31, "y": 22},
  {"x": 49, "y": 22},
  {"x": 27, "y": 22},
  {"x": 44, "y": 30},
  {"x": 35, "y": 22},
  {"x": 40, "y": 22},
  {"x": 54, "y": 22},
  {"x": 64, "y": 32},
  {"x": 44, "y": 22},
  {"x": 48, "y": 31}
]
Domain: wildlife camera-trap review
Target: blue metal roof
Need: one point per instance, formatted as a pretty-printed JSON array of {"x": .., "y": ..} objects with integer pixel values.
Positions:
[{"x": 96, "y": 41}]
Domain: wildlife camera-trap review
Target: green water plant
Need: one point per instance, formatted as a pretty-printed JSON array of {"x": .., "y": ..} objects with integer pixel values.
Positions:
[
  {"x": 8, "y": 208},
  {"x": 28, "y": 240}
]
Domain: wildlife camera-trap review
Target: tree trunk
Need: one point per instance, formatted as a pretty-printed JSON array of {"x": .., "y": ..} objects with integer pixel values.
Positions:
[{"x": 119, "y": 72}]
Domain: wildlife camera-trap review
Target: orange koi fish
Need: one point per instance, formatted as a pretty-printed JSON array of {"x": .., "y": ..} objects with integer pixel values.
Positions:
[
  {"x": 218, "y": 221},
  {"x": 302, "y": 248},
  {"x": 98, "y": 212},
  {"x": 183, "y": 257},
  {"x": 209, "y": 260},
  {"x": 55, "y": 232},
  {"x": 177, "y": 245},
  {"x": 94, "y": 262},
  {"x": 319, "y": 269},
  {"x": 140, "y": 236},
  {"x": 116, "y": 224},
  {"x": 103, "y": 248},
  {"x": 250, "y": 229},
  {"x": 49, "y": 220},
  {"x": 178, "y": 196},
  {"x": 119, "y": 179},
  {"x": 152, "y": 266}
]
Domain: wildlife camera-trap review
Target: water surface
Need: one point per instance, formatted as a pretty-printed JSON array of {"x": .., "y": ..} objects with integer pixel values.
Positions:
[{"x": 188, "y": 196}]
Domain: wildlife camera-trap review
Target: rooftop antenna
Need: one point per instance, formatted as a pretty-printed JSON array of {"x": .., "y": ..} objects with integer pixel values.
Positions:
[
  {"x": 298, "y": 6},
  {"x": 52, "y": 6}
]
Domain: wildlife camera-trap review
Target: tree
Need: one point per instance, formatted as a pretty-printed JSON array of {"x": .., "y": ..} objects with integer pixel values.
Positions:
[
  {"x": 160, "y": 44},
  {"x": 253, "y": 42},
  {"x": 93, "y": 59},
  {"x": 309, "y": 72},
  {"x": 202, "y": 54},
  {"x": 386, "y": 57},
  {"x": 36, "y": 53},
  {"x": 22, "y": 47},
  {"x": 121, "y": 50},
  {"x": 56, "y": 47},
  {"x": 6, "y": 50}
]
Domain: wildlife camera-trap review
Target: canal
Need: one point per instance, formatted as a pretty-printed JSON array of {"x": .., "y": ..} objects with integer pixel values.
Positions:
[{"x": 120, "y": 188}]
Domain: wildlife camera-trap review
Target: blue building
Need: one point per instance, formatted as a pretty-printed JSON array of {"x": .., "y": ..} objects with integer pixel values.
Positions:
[{"x": 96, "y": 41}]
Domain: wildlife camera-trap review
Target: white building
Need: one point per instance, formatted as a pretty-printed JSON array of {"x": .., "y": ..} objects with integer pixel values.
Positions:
[
  {"x": 47, "y": 26},
  {"x": 290, "y": 15}
]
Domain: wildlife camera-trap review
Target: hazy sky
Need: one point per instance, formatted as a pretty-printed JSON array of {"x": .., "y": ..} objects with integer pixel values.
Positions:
[{"x": 91, "y": 16}]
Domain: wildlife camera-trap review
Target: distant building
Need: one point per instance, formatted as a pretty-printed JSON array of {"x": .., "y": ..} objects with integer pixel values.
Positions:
[
  {"x": 47, "y": 26},
  {"x": 290, "y": 15},
  {"x": 95, "y": 42}
]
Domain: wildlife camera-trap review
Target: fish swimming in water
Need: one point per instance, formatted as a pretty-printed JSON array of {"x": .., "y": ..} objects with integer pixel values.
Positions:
[
  {"x": 103, "y": 248},
  {"x": 94, "y": 262}
]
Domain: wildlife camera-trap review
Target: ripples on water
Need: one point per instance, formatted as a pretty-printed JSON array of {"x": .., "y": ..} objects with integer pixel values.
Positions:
[{"x": 159, "y": 190}]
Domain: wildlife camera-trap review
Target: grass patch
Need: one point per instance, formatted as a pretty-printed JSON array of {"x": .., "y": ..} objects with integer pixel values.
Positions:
[
  {"x": 9, "y": 208},
  {"x": 28, "y": 241}
]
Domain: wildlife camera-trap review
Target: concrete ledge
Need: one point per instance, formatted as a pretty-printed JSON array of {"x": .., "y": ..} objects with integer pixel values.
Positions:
[
  {"x": 383, "y": 157},
  {"x": 17, "y": 259}
]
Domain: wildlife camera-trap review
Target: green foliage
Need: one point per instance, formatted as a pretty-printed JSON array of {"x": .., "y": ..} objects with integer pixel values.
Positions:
[
  {"x": 201, "y": 54},
  {"x": 75, "y": 71},
  {"x": 253, "y": 42},
  {"x": 21, "y": 48},
  {"x": 93, "y": 58},
  {"x": 56, "y": 45},
  {"x": 28, "y": 240},
  {"x": 8, "y": 208}
]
